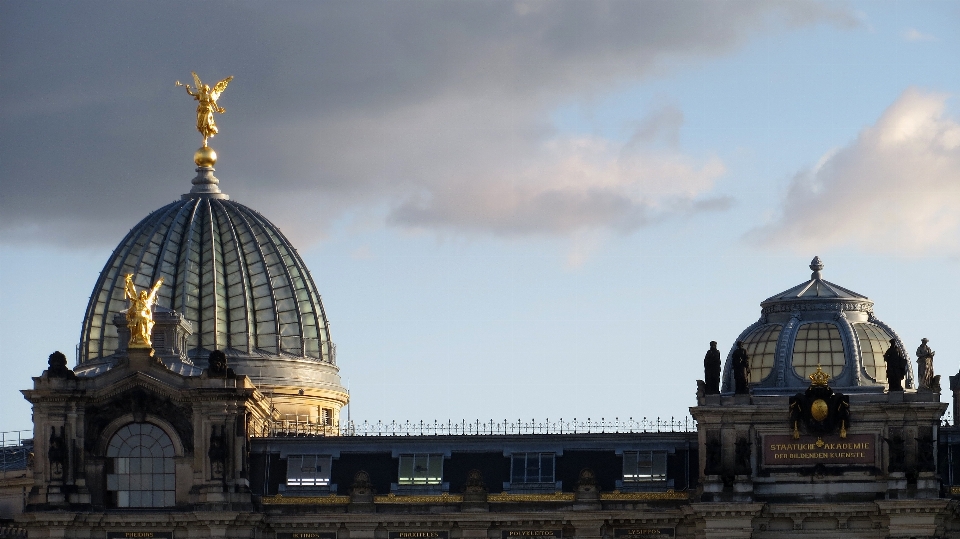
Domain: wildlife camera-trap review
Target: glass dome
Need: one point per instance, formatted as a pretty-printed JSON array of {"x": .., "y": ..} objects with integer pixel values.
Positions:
[
  {"x": 234, "y": 283},
  {"x": 228, "y": 270},
  {"x": 816, "y": 323}
]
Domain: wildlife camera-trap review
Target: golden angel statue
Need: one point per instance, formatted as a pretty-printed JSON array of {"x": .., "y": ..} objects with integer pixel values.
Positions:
[
  {"x": 140, "y": 314},
  {"x": 207, "y": 105}
]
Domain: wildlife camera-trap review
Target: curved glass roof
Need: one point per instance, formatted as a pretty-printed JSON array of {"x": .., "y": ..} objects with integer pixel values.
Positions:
[
  {"x": 816, "y": 323},
  {"x": 228, "y": 270}
]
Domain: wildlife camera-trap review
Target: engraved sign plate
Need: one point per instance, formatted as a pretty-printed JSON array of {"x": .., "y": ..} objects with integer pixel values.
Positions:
[
  {"x": 306, "y": 535},
  {"x": 140, "y": 534},
  {"x": 442, "y": 534},
  {"x": 521, "y": 534},
  {"x": 784, "y": 450},
  {"x": 636, "y": 531}
]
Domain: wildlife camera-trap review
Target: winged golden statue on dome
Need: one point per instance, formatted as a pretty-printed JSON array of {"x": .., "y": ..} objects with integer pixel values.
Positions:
[
  {"x": 207, "y": 105},
  {"x": 140, "y": 312}
]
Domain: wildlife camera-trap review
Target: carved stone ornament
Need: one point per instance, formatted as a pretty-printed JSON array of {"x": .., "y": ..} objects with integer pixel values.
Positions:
[
  {"x": 218, "y": 366},
  {"x": 218, "y": 452},
  {"x": 714, "y": 461},
  {"x": 475, "y": 484},
  {"x": 790, "y": 306},
  {"x": 819, "y": 410},
  {"x": 362, "y": 486},
  {"x": 57, "y": 453},
  {"x": 57, "y": 367},
  {"x": 742, "y": 456},
  {"x": 587, "y": 482}
]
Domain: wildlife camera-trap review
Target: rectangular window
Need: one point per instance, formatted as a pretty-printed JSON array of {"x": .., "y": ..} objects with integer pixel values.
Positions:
[
  {"x": 308, "y": 470},
  {"x": 421, "y": 469},
  {"x": 644, "y": 466},
  {"x": 532, "y": 468}
]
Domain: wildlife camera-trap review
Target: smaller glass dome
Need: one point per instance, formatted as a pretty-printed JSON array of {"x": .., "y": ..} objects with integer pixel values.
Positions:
[{"x": 816, "y": 323}]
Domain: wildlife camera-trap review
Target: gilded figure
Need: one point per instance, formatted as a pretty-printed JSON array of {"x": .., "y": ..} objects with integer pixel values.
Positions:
[
  {"x": 140, "y": 313},
  {"x": 207, "y": 98}
]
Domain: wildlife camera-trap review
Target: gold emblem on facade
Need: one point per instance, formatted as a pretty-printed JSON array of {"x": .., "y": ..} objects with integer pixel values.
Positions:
[
  {"x": 819, "y": 409},
  {"x": 140, "y": 312}
]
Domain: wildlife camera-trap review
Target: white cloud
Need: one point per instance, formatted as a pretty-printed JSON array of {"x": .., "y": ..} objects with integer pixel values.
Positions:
[
  {"x": 568, "y": 186},
  {"x": 896, "y": 187},
  {"x": 912, "y": 34},
  {"x": 438, "y": 110}
]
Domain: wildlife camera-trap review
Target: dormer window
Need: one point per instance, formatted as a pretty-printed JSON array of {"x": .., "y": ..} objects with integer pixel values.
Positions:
[
  {"x": 532, "y": 468},
  {"x": 308, "y": 470},
  {"x": 420, "y": 469},
  {"x": 644, "y": 466}
]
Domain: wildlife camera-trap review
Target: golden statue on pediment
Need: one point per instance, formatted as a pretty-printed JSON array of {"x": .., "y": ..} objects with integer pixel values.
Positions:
[{"x": 140, "y": 312}]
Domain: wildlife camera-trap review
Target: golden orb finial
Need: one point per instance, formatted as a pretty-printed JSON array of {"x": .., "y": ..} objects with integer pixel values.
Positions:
[
  {"x": 205, "y": 157},
  {"x": 819, "y": 378}
]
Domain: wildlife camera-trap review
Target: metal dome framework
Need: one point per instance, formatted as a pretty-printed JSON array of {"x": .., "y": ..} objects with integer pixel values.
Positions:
[{"x": 228, "y": 270}]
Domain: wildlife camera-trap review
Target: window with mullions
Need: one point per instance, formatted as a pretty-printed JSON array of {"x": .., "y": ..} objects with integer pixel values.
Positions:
[
  {"x": 143, "y": 473},
  {"x": 761, "y": 347},
  {"x": 532, "y": 468},
  {"x": 874, "y": 342},
  {"x": 818, "y": 343},
  {"x": 420, "y": 469},
  {"x": 308, "y": 470},
  {"x": 639, "y": 466}
]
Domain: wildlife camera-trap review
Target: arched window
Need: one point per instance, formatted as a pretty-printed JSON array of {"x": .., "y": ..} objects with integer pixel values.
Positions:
[{"x": 141, "y": 467}]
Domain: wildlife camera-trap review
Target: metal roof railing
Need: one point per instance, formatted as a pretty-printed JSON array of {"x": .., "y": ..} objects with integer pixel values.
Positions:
[
  {"x": 15, "y": 449},
  {"x": 303, "y": 426}
]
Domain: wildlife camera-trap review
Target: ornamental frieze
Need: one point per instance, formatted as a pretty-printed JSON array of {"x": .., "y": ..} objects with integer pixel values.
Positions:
[{"x": 786, "y": 307}]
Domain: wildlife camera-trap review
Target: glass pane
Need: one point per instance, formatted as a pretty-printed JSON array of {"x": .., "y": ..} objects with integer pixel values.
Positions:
[
  {"x": 546, "y": 467},
  {"x": 761, "y": 347},
  {"x": 406, "y": 470},
  {"x": 435, "y": 475},
  {"x": 629, "y": 464},
  {"x": 518, "y": 467},
  {"x": 659, "y": 464}
]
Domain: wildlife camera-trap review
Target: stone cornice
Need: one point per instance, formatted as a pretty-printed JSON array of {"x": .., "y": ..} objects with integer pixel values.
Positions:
[
  {"x": 726, "y": 509},
  {"x": 915, "y": 505}
]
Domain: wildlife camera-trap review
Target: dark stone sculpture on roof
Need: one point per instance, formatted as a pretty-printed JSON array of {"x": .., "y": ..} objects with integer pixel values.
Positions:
[
  {"x": 896, "y": 366},
  {"x": 741, "y": 369},
  {"x": 711, "y": 369}
]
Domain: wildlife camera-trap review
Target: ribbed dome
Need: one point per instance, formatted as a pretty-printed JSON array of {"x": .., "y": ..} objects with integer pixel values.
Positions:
[
  {"x": 228, "y": 270},
  {"x": 816, "y": 323}
]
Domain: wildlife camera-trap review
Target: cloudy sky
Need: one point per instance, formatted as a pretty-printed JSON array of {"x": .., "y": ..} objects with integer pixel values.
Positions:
[{"x": 512, "y": 209}]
